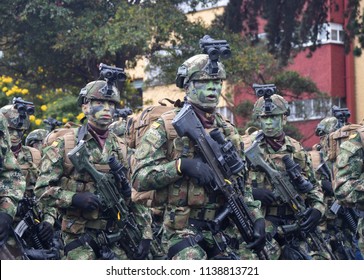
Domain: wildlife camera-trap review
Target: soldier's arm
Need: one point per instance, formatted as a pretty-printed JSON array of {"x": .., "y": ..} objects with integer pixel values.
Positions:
[
  {"x": 153, "y": 170},
  {"x": 143, "y": 218},
  {"x": 48, "y": 186},
  {"x": 349, "y": 176}
]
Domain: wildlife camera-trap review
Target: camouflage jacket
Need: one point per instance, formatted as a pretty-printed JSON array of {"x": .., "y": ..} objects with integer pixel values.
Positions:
[
  {"x": 256, "y": 178},
  {"x": 12, "y": 182},
  {"x": 29, "y": 165},
  {"x": 57, "y": 184},
  {"x": 155, "y": 169},
  {"x": 348, "y": 171}
]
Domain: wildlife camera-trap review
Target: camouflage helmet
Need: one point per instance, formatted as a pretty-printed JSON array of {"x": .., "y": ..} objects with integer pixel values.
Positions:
[
  {"x": 36, "y": 135},
  {"x": 197, "y": 68},
  {"x": 98, "y": 90},
  {"x": 326, "y": 126},
  {"x": 278, "y": 106},
  {"x": 15, "y": 120}
]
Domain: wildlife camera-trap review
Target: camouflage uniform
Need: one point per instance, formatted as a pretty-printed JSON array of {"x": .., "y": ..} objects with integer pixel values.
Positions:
[
  {"x": 12, "y": 183},
  {"x": 349, "y": 184},
  {"x": 278, "y": 214},
  {"x": 59, "y": 182},
  {"x": 189, "y": 207},
  {"x": 28, "y": 158},
  {"x": 334, "y": 225}
]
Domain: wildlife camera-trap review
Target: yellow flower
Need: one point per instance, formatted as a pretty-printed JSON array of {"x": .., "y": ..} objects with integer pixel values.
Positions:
[
  {"x": 80, "y": 116},
  {"x": 64, "y": 120},
  {"x": 8, "y": 80},
  {"x": 32, "y": 118},
  {"x": 44, "y": 108},
  {"x": 25, "y": 91},
  {"x": 4, "y": 89},
  {"x": 38, "y": 122}
]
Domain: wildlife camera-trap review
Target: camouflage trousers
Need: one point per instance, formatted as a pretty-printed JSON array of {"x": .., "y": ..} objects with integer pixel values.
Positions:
[{"x": 86, "y": 252}]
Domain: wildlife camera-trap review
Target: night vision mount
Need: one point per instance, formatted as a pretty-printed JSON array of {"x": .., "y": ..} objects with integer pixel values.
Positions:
[
  {"x": 111, "y": 74},
  {"x": 266, "y": 91},
  {"x": 341, "y": 114},
  {"x": 214, "y": 49},
  {"x": 24, "y": 108}
]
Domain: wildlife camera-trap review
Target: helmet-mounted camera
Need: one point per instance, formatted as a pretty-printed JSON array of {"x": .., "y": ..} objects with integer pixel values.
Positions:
[
  {"x": 266, "y": 91},
  {"x": 24, "y": 108},
  {"x": 341, "y": 114},
  {"x": 111, "y": 75},
  {"x": 214, "y": 49}
]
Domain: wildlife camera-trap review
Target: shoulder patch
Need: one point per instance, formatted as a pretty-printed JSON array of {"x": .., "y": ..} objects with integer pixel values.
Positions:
[
  {"x": 55, "y": 143},
  {"x": 155, "y": 125}
]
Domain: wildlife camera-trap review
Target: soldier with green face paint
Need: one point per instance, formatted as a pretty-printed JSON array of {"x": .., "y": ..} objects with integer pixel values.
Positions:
[
  {"x": 72, "y": 194},
  {"x": 170, "y": 165},
  {"x": 271, "y": 113}
]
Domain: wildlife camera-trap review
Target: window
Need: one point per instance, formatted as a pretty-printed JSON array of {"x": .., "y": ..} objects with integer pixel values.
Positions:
[{"x": 309, "y": 109}]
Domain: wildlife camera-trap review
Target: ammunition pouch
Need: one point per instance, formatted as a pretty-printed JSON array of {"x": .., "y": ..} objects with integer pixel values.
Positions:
[{"x": 281, "y": 211}]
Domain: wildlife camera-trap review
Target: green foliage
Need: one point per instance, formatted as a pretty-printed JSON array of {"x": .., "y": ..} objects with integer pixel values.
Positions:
[{"x": 244, "y": 109}]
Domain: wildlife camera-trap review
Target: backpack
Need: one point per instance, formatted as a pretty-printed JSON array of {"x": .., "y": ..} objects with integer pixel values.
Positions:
[
  {"x": 59, "y": 132},
  {"x": 137, "y": 126},
  {"x": 341, "y": 135}
]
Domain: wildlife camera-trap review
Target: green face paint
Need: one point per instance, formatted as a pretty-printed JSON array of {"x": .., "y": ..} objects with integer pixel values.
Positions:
[
  {"x": 272, "y": 125},
  {"x": 16, "y": 135},
  {"x": 101, "y": 113},
  {"x": 205, "y": 94}
]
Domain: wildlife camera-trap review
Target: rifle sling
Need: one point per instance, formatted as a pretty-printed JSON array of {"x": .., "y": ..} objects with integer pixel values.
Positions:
[{"x": 84, "y": 240}]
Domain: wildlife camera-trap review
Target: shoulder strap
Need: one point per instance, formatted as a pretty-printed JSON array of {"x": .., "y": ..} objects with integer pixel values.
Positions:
[
  {"x": 36, "y": 155},
  {"x": 69, "y": 144}
]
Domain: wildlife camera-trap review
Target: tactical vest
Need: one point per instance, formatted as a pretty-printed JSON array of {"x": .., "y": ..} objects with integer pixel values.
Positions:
[
  {"x": 258, "y": 179},
  {"x": 341, "y": 135},
  {"x": 183, "y": 199},
  {"x": 79, "y": 183},
  {"x": 31, "y": 160}
]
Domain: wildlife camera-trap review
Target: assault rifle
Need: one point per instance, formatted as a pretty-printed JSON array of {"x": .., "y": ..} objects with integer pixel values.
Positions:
[
  {"x": 113, "y": 202},
  {"x": 224, "y": 161},
  {"x": 285, "y": 192},
  {"x": 26, "y": 236}
]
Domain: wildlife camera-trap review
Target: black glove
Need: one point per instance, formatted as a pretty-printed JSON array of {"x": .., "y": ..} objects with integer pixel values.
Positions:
[
  {"x": 195, "y": 168},
  {"x": 5, "y": 225},
  {"x": 86, "y": 201},
  {"x": 264, "y": 195},
  {"x": 45, "y": 232},
  {"x": 327, "y": 187},
  {"x": 42, "y": 254},
  {"x": 312, "y": 219},
  {"x": 143, "y": 249},
  {"x": 259, "y": 236}
]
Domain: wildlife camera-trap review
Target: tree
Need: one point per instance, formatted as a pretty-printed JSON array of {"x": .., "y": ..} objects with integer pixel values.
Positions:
[{"x": 293, "y": 23}]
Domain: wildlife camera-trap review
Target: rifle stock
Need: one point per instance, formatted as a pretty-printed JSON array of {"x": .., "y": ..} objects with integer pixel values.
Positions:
[{"x": 187, "y": 124}]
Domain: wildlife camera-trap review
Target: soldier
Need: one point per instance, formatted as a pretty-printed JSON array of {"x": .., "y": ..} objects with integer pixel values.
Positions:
[
  {"x": 348, "y": 179},
  {"x": 72, "y": 193},
  {"x": 169, "y": 165},
  {"x": 27, "y": 157},
  {"x": 271, "y": 112},
  {"x": 12, "y": 186},
  {"x": 36, "y": 139}
]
